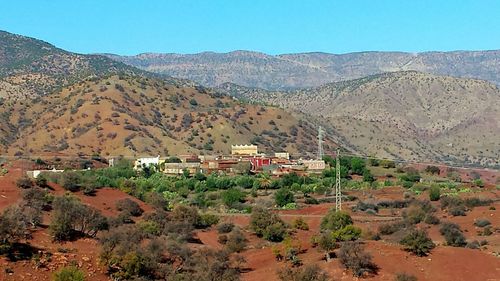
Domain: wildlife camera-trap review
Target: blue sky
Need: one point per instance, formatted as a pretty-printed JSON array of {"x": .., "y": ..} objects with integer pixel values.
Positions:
[{"x": 129, "y": 27}]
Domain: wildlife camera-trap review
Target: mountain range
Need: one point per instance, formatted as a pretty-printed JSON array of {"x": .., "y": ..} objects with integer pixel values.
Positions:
[
  {"x": 304, "y": 70},
  {"x": 405, "y": 115},
  {"x": 55, "y": 102}
]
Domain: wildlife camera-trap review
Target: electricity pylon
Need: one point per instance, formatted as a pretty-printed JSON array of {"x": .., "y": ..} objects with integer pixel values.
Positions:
[
  {"x": 338, "y": 192},
  {"x": 320, "y": 143}
]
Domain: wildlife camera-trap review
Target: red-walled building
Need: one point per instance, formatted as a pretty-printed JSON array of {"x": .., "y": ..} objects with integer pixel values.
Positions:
[{"x": 259, "y": 162}]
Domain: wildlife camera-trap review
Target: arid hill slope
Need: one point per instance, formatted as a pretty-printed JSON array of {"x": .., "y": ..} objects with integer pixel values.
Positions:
[
  {"x": 131, "y": 115},
  {"x": 302, "y": 70},
  {"x": 408, "y": 115},
  {"x": 30, "y": 67}
]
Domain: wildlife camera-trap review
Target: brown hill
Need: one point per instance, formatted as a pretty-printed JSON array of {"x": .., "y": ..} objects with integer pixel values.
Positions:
[
  {"x": 131, "y": 115},
  {"x": 408, "y": 115},
  {"x": 30, "y": 67}
]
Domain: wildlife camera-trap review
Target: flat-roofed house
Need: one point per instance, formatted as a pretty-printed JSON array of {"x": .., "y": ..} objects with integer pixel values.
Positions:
[
  {"x": 244, "y": 150},
  {"x": 146, "y": 162}
]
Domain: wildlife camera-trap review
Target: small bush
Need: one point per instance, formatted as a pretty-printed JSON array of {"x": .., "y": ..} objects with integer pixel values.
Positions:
[
  {"x": 390, "y": 228},
  {"x": 301, "y": 224},
  {"x": 417, "y": 242},
  {"x": 24, "y": 182},
  {"x": 283, "y": 196},
  {"x": 473, "y": 245},
  {"x": 267, "y": 224},
  {"x": 306, "y": 273},
  {"x": 236, "y": 241},
  {"x": 457, "y": 211},
  {"x": 335, "y": 220},
  {"x": 431, "y": 219},
  {"x": 207, "y": 220},
  {"x": 434, "y": 193},
  {"x": 405, "y": 277},
  {"x": 275, "y": 232},
  {"x": 69, "y": 273},
  {"x": 482, "y": 222},
  {"x": 348, "y": 233},
  {"x": 453, "y": 235},
  {"x": 487, "y": 231},
  {"x": 353, "y": 256},
  {"x": 476, "y": 202},
  {"x": 311, "y": 201},
  {"x": 129, "y": 206},
  {"x": 225, "y": 227},
  {"x": 233, "y": 196}
]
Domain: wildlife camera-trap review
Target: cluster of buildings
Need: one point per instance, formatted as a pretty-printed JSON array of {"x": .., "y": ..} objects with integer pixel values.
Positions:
[{"x": 243, "y": 159}]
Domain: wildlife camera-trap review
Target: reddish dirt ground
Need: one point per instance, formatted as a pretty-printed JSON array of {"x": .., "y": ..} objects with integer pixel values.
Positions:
[
  {"x": 9, "y": 192},
  {"x": 444, "y": 263}
]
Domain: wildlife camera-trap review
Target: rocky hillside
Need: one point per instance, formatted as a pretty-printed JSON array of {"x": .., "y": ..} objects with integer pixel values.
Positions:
[
  {"x": 259, "y": 70},
  {"x": 408, "y": 115},
  {"x": 132, "y": 115},
  {"x": 30, "y": 68}
]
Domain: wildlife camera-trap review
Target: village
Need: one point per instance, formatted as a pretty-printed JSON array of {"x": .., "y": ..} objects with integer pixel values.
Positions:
[{"x": 243, "y": 159}]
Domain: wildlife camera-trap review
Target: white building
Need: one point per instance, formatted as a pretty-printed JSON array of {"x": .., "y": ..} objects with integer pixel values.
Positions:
[{"x": 146, "y": 162}]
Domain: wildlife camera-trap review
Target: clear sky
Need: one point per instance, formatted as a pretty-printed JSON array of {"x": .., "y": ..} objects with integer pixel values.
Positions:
[{"x": 130, "y": 27}]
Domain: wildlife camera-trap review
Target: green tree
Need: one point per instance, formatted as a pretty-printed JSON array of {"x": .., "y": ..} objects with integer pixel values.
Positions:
[
  {"x": 335, "y": 220},
  {"x": 283, "y": 196},
  {"x": 358, "y": 165},
  {"x": 232, "y": 196}
]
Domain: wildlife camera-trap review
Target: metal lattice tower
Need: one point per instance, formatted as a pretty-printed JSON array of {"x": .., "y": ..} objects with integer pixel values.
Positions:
[
  {"x": 338, "y": 192},
  {"x": 320, "y": 143}
]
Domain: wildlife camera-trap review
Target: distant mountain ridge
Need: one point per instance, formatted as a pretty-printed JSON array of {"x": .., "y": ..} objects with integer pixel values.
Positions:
[{"x": 304, "y": 70}]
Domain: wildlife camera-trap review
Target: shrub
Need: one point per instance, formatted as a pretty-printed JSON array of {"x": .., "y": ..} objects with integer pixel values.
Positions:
[
  {"x": 233, "y": 196},
  {"x": 70, "y": 180},
  {"x": 236, "y": 241},
  {"x": 222, "y": 239},
  {"x": 405, "y": 277},
  {"x": 207, "y": 220},
  {"x": 473, "y": 245},
  {"x": 431, "y": 219},
  {"x": 311, "y": 201},
  {"x": 24, "y": 182},
  {"x": 283, "y": 196},
  {"x": 300, "y": 223},
  {"x": 225, "y": 227},
  {"x": 417, "y": 242},
  {"x": 129, "y": 206},
  {"x": 390, "y": 228},
  {"x": 267, "y": 224},
  {"x": 326, "y": 242},
  {"x": 457, "y": 211},
  {"x": 434, "y": 193},
  {"x": 453, "y": 235},
  {"x": 367, "y": 176},
  {"x": 69, "y": 273},
  {"x": 476, "y": 202},
  {"x": 348, "y": 233},
  {"x": 353, "y": 256},
  {"x": 275, "y": 232},
  {"x": 335, "y": 220},
  {"x": 362, "y": 206},
  {"x": 306, "y": 273},
  {"x": 13, "y": 225},
  {"x": 482, "y": 222},
  {"x": 72, "y": 218},
  {"x": 414, "y": 214}
]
